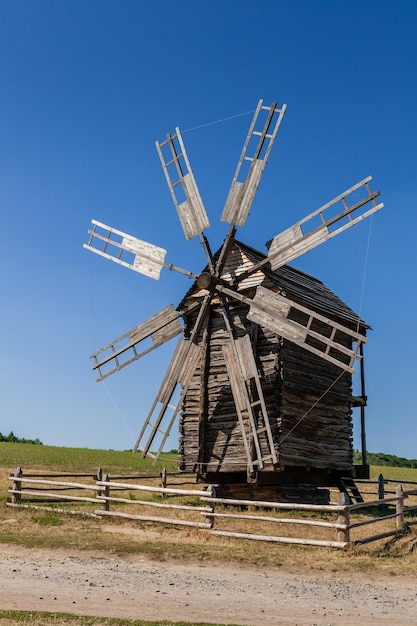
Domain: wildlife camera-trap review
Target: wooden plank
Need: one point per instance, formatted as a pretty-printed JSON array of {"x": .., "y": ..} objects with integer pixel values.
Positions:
[
  {"x": 158, "y": 505},
  {"x": 324, "y": 508},
  {"x": 55, "y": 483},
  {"x": 278, "y": 520},
  {"x": 148, "y": 518},
  {"x": 390, "y": 533},
  {"x": 55, "y": 496},
  {"x": 149, "y": 488},
  {"x": 274, "y": 539},
  {"x": 54, "y": 509}
]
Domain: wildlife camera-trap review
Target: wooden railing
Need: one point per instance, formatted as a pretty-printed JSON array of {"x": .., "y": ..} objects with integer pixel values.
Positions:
[{"x": 100, "y": 496}]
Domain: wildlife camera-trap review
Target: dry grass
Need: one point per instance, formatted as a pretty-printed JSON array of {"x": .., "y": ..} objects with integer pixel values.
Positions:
[{"x": 33, "y": 528}]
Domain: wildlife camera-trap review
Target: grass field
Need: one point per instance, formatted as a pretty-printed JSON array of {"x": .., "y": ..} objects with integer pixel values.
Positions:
[{"x": 33, "y": 528}]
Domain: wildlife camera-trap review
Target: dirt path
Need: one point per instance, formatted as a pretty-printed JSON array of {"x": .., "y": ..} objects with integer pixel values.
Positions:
[{"x": 136, "y": 587}]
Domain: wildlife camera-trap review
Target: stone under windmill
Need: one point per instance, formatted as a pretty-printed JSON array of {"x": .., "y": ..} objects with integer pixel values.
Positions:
[{"x": 265, "y": 364}]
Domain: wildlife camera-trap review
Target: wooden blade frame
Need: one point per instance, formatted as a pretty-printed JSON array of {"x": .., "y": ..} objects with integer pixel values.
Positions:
[
  {"x": 118, "y": 246},
  {"x": 159, "y": 328},
  {"x": 256, "y": 150},
  {"x": 249, "y": 401},
  {"x": 179, "y": 176},
  {"x": 306, "y": 234},
  {"x": 273, "y": 311},
  {"x": 180, "y": 371}
]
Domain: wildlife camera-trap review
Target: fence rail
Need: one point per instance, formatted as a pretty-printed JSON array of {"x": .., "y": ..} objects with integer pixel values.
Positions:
[{"x": 100, "y": 496}]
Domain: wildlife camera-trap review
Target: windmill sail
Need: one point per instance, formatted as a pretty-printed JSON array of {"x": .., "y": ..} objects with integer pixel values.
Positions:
[
  {"x": 159, "y": 329},
  {"x": 133, "y": 253},
  {"x": 306, "y": 328},
  {"x": 182, "y": 185},
  {"x": 180, "y": 371},
  {"x": 306, "y": 234},
  {"x": 255, "y": 151},
  {"x": 249, "y": 401}
]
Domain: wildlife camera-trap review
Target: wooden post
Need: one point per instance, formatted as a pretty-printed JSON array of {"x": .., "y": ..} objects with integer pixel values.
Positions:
[
  {"x": 99, "y": 473},
  {"x": 210, "y": 507},
  {"x": 344, "y": 518},
  {"x": 17, "y": 485},
  {"x": 399, "y": 492},
  {"x": 106, "y": 493},
  {"x": 164, "y": 477},
  {"x": 363, "y": 395},
  {"x": 381, "y": 487}
]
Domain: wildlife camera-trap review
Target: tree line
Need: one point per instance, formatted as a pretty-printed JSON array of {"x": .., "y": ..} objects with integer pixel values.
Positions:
[
  {"x": 380, "y": 458},
  {"x": 12, "y": 438}
]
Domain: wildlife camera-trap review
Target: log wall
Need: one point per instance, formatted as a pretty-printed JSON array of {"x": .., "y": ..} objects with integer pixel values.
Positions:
[{"x": 307, "y": 433}]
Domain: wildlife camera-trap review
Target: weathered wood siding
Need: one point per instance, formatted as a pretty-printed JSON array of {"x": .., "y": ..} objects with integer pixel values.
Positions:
[
  {"x": 309, "y": 431},
  {"x": 316, "y": 431}
]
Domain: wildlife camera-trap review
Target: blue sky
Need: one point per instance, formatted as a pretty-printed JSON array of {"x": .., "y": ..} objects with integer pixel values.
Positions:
[{"x": 87, "y": 88}]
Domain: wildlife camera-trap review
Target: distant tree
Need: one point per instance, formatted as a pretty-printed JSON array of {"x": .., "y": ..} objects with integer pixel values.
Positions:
[
  {"x": 11, "y": 438},
  {"x": 381, "y": 458}
]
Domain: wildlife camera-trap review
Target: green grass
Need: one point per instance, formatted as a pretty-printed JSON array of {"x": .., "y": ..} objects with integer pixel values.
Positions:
[
  {"x": 43, "y": 618},
  {"x": 14, "y": 455},
  {"x": 397, "y": 474}
]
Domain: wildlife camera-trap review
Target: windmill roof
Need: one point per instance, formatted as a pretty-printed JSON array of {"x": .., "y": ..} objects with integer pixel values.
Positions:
[{"x": 301, "y": 287}]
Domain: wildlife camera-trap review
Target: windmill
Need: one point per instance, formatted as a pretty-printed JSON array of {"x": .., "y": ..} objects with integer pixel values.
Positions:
[{"x": 245, "y": 318}]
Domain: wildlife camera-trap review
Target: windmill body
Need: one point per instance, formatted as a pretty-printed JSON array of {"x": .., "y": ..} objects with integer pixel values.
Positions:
[{"x": 264, "y": 369}]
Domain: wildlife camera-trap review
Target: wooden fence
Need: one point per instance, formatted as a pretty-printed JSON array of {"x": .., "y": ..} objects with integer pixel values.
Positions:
[{"x": 337, "y": 525}]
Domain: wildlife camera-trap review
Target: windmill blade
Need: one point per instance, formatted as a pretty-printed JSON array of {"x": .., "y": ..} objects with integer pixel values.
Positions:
[
  {"x": 256, "y": 150},
  {"x": 247, "y": 394},
  {"x": 135, "y": 254},
  {"x": 159, "y": 329},
  {"x": 306, "y": 328},
  {"x": 180, "y": 371},
  {"x": 306, "y": 234},
  {"x": 249, "y": 401},
  {"x": 182, "y": 185}
]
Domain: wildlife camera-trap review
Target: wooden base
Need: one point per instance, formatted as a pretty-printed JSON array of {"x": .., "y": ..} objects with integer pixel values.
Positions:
[{"x": 290, "y": 485}]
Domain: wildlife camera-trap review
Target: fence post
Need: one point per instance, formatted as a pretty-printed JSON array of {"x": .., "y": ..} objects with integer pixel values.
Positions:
[
  {"x": 99, "y": 474},
  {"x": 17, "y": 486},
  {"x": 106, "y": 492},
  {"x": 164, "y": 477},
  {"x": 344, "y": 518},
  {"x": 210, "y": 507},
  {"x": 399, "y": 507},
  {"x": 381, "y": 487}
]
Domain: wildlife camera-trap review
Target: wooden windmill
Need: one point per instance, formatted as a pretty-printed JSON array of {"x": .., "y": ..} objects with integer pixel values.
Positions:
[{"x": 265, "y": 365}]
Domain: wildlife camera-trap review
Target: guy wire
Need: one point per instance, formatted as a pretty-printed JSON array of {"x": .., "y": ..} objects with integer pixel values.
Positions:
[
  {"x": 357, "y": 330},
  {"x": 94, "y": 349},
  {"x": 225, "y": 119}
]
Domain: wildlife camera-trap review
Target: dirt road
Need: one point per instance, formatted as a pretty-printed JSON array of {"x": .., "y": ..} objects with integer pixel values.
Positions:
[{"x": 136, "y": 587}]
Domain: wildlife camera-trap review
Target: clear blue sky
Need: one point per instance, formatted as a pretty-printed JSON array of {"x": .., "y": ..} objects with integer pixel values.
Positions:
[{"x": 87, "y": 88}]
